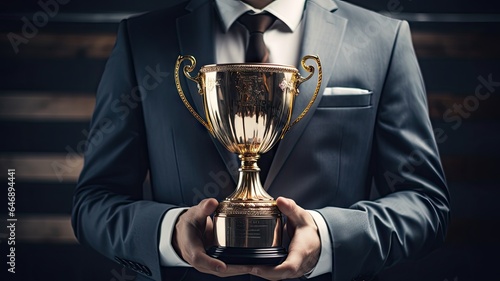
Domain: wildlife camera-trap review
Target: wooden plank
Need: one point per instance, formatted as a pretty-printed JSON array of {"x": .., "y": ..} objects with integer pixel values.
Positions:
[
  {"x": 63, "y": 262},
  {"x": 428, "y": 44},
  {"x": 454, "y": 139},
  {"x": 482, "y": 106},
  {"x": 470, "y": 138},
  {"x": 46, "y": 136},
  {"x": 64, "y": 75},
  {"x": 68, "y": 119},
  {"x": 65, "y": 168},
  {"x": 477, "y": 231},
  {"x": 458, "y": 75},
  {"x": 46, "y": 106},
  {"x": 51, "y": 106},
  {"x": 471, "y": 168},
  {"x": 456, "y": 44},
  {"x": 54, "y": 45},
  {"x": 57, "y": 229},
  {"x": 110, "y": 6},
  {"x": 15, "y": 25},
  {"x": 428, "y": 6},
  {"x": 44, "y": 229},
  {"x": 474, "y": 200},
  {"x": 50, "y": 228},
  {"x": 43, "y": 198},
  {"x": 83, "y": 75},
  {"x": 466, "y": 226},
  {"x": 451, "y": 262},
  {"x": 62, "y": 168},
  {"x": 90, "y": 6}
]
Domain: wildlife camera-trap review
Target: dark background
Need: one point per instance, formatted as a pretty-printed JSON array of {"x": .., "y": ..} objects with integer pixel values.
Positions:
[{"x": 47, "y": 93}]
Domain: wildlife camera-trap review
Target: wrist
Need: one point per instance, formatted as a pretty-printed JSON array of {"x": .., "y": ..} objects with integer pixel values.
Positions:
[
  {"x": 174, "y": 242},
  {"x": 168, "y": 254},
  {"x": 324, "y": 263}
]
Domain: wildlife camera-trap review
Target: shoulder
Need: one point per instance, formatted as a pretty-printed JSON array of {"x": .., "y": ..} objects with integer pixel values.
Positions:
[
  {"x": 158, "y": 18},
  {"x": 146, "y": 30},
  {"x": 370, "y": 27},
  {"x": 368, "y": 21}
]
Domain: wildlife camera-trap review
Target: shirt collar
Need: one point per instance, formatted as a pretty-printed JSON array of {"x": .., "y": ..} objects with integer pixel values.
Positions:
[{"x": 288, "y": 11}]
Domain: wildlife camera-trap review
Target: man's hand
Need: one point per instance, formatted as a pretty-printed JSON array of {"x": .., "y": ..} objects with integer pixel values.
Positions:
[
  {"x": 305, "y": 244},
  {"x": 193, "y": 232}
]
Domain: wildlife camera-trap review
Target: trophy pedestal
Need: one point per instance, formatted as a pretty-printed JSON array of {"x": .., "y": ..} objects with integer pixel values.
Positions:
[
  {"x": 250, "y": 256},
  {"x": 248, "y": 232}
]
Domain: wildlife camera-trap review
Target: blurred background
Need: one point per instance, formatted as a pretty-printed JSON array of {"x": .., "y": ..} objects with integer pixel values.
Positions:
[{"x": 51, "y": 60}]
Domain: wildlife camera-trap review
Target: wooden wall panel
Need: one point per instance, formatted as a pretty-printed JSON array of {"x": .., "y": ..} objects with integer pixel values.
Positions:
[
  {"x": 43, "y": 136},
  {"x": 61, "y": 45},
  {"x": 407, "y": 6},
  {"x": 45, "y": 106},
  {"x": 45, "y": 74},
  {"x": 47, "y": 97}
]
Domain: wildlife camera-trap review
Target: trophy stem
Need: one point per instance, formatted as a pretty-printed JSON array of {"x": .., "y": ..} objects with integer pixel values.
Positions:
[{"x": 249, "y": 186}]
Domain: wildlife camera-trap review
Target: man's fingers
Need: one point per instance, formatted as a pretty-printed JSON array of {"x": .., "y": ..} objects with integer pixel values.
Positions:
[
  {"x": 289, "y": 208},
  {"x": 286, "y": 206},
  {"x": 295, "y": 266},
  {"x": 299, "y": 261},
  {"x": 292, "y": 267},
  {"x": 304, "y": 248},
  {"x": 295, "y": 214},
  {"x": 206, "y": 264},
  {"x": 208, "y": 239},
  {"x": 232, "y": 270},
  {"x": 205, "y": 208},
  {"x": 192, "y": 250},
  {"x": 190, "y": 237},
  {"x": 195, "y": 255}
]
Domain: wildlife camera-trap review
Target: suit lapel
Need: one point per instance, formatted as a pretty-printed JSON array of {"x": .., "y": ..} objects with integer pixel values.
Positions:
[
  {"x": 195, "y": 38},
  {"x": 195, "y": 34},
  {"x": 323, "y": 35}
]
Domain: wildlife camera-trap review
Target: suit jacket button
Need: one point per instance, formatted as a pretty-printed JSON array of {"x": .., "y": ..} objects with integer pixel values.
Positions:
[
  {"x": 146, "y": 270},
  {"x": 362, "y": 278},
  {"x": 120, "y": 261}
]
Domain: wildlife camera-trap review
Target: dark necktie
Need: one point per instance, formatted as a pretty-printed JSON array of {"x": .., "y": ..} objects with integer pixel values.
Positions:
[
  {"x": 258, "y": 52},
  {"x": 256, "y": 26}
]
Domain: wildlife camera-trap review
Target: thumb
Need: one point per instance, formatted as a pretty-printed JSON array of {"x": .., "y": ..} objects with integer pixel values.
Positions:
[
  {"x": 289, "y": 208},
  {"x": 205, "y": 208}
]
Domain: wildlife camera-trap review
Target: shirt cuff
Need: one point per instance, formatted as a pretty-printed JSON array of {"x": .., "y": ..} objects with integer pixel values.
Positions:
[
  {"x": 168, "y": 256},
  {"x": 324, "y": 264}
]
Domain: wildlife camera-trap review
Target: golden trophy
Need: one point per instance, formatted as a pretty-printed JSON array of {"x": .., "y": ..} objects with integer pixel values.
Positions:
[{"x": 248, "y": 108}]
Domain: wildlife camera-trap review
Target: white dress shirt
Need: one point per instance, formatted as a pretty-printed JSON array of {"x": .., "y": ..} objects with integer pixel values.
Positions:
[{"x": 283, "y": 39}]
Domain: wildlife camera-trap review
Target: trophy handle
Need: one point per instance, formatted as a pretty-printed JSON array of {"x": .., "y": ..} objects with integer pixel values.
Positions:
[
  {"x": 310, "y": 69},
  {"x": 199, "y": 81}
]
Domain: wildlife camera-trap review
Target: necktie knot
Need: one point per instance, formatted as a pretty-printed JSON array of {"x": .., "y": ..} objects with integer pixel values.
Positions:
[
  {"x": 256, "y": 23},
  {"x": 256, "y": 26}
]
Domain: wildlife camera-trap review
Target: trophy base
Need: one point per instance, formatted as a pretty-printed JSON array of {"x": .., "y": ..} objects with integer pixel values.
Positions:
[{"x": 250, "y": 256}]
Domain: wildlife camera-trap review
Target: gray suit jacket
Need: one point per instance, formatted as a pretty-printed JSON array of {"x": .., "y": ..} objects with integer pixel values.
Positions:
[{"x": 330, "y": 161}]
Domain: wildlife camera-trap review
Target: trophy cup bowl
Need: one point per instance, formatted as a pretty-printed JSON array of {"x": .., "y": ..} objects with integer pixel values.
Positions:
[{"x": 248, "y": 108}]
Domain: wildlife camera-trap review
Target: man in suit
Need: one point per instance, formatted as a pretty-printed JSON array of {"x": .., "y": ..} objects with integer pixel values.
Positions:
[{"x": 360, "y": 177}]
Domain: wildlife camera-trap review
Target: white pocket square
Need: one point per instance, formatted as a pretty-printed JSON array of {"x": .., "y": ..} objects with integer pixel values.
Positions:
[
  {"x": 345, "y": 97},
  {"x": 344, "y": 91}
]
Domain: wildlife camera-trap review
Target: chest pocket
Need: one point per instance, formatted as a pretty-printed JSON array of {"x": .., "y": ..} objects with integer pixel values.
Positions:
[{"x": 345, "y": 97}]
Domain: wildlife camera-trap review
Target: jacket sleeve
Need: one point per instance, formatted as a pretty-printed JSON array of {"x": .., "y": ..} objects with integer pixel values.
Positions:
[
  {"x": 109, "y": 212},
  {"x": 411, "y": 217}
]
